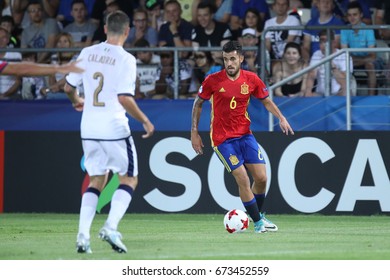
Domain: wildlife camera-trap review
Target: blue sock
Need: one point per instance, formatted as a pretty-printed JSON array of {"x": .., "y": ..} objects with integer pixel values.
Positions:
[
  {"x": 252, "y": 210},
  {"x": 260, "y": 200}
]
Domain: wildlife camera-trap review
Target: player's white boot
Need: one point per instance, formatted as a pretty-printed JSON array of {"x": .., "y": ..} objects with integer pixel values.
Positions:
[
  {"x": 82, "y": 244},
  {"x": 113, "y": 237},
  {"x": 259, "y": 227},
  {"x": 269, "y": 226}
]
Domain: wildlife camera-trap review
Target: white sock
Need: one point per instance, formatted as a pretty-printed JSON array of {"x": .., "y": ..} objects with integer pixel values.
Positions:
[
  {"x": 119, "y": 203},
  {"x": 89, "y": 202}
]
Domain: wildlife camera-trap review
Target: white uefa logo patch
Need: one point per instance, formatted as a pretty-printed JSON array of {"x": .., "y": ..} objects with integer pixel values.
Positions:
[{"x": 200, "y": 89}]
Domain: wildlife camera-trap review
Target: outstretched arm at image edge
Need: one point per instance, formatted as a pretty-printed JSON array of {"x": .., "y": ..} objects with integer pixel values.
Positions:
[{"x": 36, "y": 69}]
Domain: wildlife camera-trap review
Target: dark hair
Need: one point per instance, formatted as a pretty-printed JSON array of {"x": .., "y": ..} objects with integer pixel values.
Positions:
[
  {"x": 78, "y": 2},
  {"x": 7, "y": 18},
  {"x": 165, "y": 53},
  {"x": 355, "y": 5},
  {"x": 232, "y": 46},
  {"x": 34, "y": 2},
  {"x": 324, "y": 32},
  {"x": 260, "y": 23},
  {"x": 142, "y": 43},
  {"x": 207, "y": 5},
  {"x": 117, "y": 22},
  {"x": 207, "y": 54},
  {"x": 113, "y": 4},
  {"x": 172, "y": 2},
  {"x": 29, "y": 54},
  {"x": 294, "y": 46}
]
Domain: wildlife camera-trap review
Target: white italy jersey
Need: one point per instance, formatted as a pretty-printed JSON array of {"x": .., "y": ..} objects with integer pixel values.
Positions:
[{"x": 109, "y": 71}]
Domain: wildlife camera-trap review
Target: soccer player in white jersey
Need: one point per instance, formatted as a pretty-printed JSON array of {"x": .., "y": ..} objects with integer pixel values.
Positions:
[{"x": 109, "y": 87}]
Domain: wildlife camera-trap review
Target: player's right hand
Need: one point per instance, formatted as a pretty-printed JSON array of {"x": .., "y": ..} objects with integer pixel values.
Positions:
[
  {"x": 149, "y": 128},
  {"x": 70, "y": 67}
]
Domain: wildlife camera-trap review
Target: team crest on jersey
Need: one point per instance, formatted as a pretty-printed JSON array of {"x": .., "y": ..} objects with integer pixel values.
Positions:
[
  {"x": 233, "y": 159},
  {"x": 244, "y": 88}
]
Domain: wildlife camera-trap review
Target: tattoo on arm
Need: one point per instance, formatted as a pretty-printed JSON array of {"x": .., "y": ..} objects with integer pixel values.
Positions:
[{"x": 196, "y": 111}]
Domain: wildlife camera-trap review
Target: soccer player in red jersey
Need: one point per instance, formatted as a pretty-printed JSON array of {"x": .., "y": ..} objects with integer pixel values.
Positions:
[{"x": 231, "y": 138}]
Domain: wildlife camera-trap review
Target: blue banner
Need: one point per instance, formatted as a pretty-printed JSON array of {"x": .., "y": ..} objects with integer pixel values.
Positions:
[{"x": 304, "y": 114}]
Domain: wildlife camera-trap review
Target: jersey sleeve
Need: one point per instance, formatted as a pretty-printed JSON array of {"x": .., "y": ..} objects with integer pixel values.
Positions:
[
  {"x": 205, "y": 90},
  {"x": 261, "y": 90},
  {"x": 127, "y": 77}
]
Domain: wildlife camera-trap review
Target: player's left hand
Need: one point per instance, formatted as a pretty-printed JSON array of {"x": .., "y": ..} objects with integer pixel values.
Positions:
[
  {"x": 285, "y": 126},
  {"x": 79, "y": 105}
]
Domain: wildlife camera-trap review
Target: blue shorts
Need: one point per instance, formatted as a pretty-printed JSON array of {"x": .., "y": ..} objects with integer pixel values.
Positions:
[{"x": 235, "y": 152}]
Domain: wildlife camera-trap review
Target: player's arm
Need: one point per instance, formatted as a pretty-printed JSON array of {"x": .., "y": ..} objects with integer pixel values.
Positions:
[
  {"x": 196, "y": 141},
  {"x": 271, "y": 107},
  {"x": 77, "y": 101},
  {"x": 133, "y": 110},
  {"x": 36, "y": 69}
]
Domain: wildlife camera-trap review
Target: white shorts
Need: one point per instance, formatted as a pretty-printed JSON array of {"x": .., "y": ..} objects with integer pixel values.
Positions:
[{"x": 119, "y": 156}]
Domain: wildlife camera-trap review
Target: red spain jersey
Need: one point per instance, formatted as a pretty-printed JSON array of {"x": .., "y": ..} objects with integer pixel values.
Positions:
[{"x": 229, "y": 102}]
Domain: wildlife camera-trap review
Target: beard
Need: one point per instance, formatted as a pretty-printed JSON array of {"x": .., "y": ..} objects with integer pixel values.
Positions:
[{"x": 232, "y": 71}]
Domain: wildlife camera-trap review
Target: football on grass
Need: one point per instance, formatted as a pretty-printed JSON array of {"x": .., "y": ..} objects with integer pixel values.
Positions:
[{"x": 236, "y": 221}]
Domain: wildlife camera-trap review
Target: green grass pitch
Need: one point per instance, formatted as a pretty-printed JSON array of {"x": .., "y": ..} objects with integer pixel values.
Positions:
[{"x": 199, "y": 237}]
